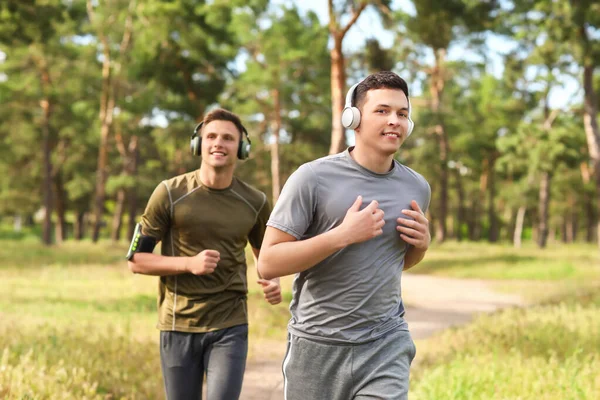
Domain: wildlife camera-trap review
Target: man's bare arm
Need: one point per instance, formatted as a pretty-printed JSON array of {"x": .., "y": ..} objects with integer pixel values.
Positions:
[
  {"x": 157, "y": 265},
  {"x": 271, "y": 287},
  {"x": 282, "y": 254}
]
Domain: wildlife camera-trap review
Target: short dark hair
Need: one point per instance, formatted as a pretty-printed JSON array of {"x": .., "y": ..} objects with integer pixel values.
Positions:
[
  {"x": 379, "y": 80},
  {"x": 220, "y": 114}
]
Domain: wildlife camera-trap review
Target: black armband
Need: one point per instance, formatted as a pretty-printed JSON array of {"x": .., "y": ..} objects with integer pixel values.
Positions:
[{"x": 140, "y": 243}]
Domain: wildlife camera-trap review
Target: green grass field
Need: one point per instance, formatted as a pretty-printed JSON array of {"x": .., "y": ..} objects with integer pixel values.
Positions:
[
  {"x": 549, "y": 351},
  {"x": 75, "y": 323},
  {"x": 503, "y": 262}
]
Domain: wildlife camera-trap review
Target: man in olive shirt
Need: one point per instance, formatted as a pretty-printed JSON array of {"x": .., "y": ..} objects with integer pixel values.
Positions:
[{"x": 204, "y": 219}]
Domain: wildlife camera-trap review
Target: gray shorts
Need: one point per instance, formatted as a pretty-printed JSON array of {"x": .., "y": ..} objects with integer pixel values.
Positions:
[
  {"x": 314, "y": 370},
  {"x": 186, "y": 357}
]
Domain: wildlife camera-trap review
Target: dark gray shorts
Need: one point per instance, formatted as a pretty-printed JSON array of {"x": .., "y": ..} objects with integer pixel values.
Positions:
[
  {"x": 314, "y": 370},
  {"x": 186, "y": 357}
]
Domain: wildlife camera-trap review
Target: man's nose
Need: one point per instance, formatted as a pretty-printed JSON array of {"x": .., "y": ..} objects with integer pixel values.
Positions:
[{"x": 393, "y": 119}]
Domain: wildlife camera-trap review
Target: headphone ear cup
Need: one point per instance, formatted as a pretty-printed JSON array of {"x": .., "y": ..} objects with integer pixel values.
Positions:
[
  {"x": 196, "y": 146},
  {"x": 351, "y": 118},
  {"x": 243, "y": 149},
  {"x": 411, "y": 126}
]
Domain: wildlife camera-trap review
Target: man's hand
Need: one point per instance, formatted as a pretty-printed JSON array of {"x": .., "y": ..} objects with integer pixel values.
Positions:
[
  {"x": 203, "y": 263},
  {"x": 415, "y": 231},
  {"x": 272, "y": 290},
  {"x": 362, "y": 225}
]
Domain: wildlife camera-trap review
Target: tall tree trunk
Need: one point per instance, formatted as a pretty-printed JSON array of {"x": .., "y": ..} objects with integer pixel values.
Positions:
[
  {"x": 46, "y": 145},
  {"x": 107, "y": 105},
  {"x": 590, "y": 219},
  {"x": 492, "y": 217},
  {"x": 132, "y": 198},
  {"x": 473, "y": 220},
  {"x": 47, "y": 108},
  {"x": 79, "y": 226},
  {"x": 588, "y": 203},
  {"x": 338, "y": 74},
  {"x": 478, "y": 202},
  {"x": 571, "y": 219},
  {"x": 460, "y": 211},
  {"x": 61, "y": 225},
  {"x": 590, "y": 112},
  {"x": 544, "y": 203},
  {"x": 129, "y": 157},
  {"x": 437, "y": 89},
  {"x": 338, "y": 82},
  {"x": 115, "y": 234},
  {"x": 276, "y": 128},
  {"x": 519, "y": 226}
]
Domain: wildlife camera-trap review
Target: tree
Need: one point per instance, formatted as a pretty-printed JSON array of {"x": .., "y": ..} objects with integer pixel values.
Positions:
[
  {"x": 282, "y": 81},
  {"x": 436, "y": 25},
  {"x": 32, "y": 33}
]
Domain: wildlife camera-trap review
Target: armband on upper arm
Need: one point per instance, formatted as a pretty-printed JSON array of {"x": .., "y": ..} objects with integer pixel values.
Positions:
[{"x": 140, "y": 243}]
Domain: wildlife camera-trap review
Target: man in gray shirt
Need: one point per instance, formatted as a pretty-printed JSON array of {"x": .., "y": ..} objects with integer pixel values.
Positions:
[{"x": 348, "y": 225}]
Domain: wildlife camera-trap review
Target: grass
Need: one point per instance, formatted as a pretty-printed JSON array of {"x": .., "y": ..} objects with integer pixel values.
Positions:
[
  {"x": 558, "y": 262},
  {"x": 86, "y": 325},
  {"x": 550, "y": 351},
  {"x": 75, "y": 324}
]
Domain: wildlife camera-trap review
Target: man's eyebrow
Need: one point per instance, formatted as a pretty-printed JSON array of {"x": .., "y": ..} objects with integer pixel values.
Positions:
[
  {"x": 222, "y": 133},
  {"x": 388, "y": 106}
]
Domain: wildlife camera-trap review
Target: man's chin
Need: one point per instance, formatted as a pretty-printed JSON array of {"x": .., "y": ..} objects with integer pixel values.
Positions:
[
  {"x": 221, "y": 165},
  {"x": 389, "y": 150}
]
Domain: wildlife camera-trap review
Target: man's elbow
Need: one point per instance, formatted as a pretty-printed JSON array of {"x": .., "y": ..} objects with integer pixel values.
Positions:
[{"x": 263, "y": 269}]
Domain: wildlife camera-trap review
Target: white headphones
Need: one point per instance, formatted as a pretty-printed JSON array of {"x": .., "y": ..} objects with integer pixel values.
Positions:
[{"x": 351, "y": 114}]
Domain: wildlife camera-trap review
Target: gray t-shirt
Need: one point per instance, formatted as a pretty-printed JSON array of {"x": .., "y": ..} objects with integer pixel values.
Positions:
[{"x": 352, "y": 296}]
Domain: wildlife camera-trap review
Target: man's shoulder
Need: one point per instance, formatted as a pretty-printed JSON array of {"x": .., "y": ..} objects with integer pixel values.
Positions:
[
  {"x": 181, "y": 185},
  {"x": 407, "y": 171},
  {"x": 322, "y": 164},
  {"x": 249, "y": 193}
]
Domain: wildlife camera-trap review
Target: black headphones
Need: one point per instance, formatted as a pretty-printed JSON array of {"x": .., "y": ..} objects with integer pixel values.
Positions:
[{"x": 243, "y": 148}]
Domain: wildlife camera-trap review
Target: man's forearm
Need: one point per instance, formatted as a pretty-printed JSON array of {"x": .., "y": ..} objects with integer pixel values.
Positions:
[
  {"x": 413, "y": 257},
  {"x": 288, "y": 258},
  {"x": 157, "y": 265}
]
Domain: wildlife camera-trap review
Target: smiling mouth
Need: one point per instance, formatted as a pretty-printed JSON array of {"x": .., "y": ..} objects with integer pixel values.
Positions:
[
  {"x": 218, "y": 153},
  {"x": 391, "y": 134}
]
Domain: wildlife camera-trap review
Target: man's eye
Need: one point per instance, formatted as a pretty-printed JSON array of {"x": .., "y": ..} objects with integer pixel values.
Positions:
[{"x": 381, "y": 111}]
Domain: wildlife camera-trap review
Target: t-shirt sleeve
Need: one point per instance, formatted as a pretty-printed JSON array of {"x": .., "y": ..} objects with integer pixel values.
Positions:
[
  {"x": 258, "y": 231},
  {"x": 427, "y": 202},
  {"x": 295, "y": 208},
  {"x": 156, "y": 220}
]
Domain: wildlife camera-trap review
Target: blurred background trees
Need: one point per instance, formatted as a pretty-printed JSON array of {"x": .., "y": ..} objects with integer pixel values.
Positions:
[{"x": 98, "y": 100}]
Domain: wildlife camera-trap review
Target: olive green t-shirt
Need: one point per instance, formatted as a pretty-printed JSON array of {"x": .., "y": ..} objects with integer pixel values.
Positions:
[{"x": 188, "y": 217}]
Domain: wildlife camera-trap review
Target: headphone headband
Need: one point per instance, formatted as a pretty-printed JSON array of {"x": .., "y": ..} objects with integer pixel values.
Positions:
[{"x": 350, "y": 95}]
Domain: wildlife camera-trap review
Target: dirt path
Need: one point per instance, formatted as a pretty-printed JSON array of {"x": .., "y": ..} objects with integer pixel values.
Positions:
[{"x": 434, "y": 304}]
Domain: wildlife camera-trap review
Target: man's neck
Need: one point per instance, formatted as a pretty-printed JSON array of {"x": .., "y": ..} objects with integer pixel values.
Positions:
[
  {"x": 216, "y": 178},
  {"x": 372, "y": 161}
]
